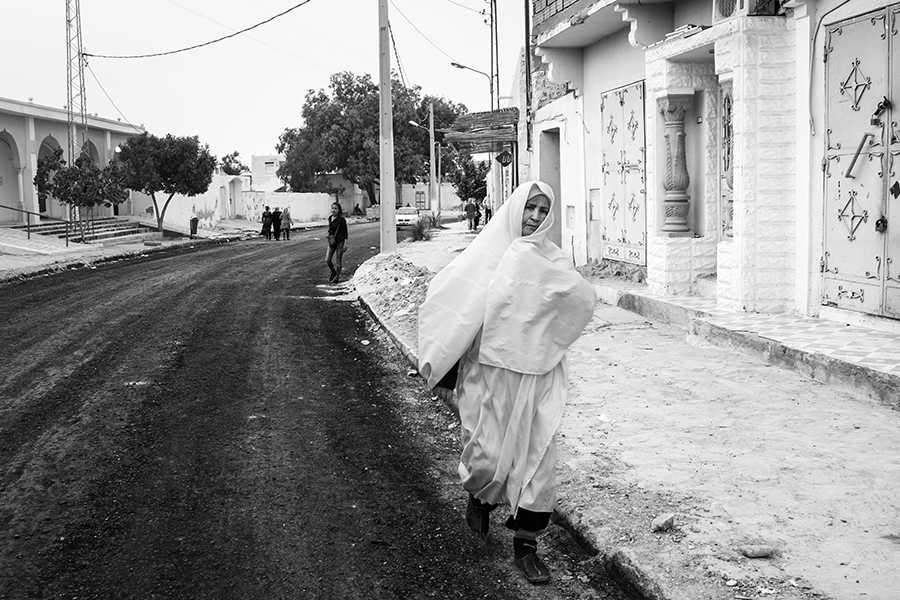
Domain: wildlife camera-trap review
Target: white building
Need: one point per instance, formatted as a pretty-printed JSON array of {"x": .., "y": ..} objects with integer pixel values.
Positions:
[
  {"x": 711, "y": 139},
  {"x": 29, "y": 132}
]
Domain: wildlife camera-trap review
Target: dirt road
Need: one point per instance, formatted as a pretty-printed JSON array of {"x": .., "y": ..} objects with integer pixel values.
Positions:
[{"x": 216, "y": 423}]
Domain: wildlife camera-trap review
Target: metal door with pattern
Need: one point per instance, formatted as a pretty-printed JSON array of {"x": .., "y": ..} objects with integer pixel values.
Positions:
[
  {"x": 862, "y": 211},
  {"x": 623, "y": 203}
]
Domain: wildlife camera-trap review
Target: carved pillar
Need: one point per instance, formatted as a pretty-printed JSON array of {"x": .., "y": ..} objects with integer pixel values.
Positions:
[
  {"x": 676, "y": 202},
  {"x": 727, "y": 160}
]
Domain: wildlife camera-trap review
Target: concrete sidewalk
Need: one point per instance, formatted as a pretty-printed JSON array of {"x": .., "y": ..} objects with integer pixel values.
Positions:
[
  {"x": 33, "y": 260},
  {"x": 706, "y": 425}
]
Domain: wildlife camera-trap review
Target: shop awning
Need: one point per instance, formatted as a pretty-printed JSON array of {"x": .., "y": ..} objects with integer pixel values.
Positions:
[{"x": 490, "y": 131}]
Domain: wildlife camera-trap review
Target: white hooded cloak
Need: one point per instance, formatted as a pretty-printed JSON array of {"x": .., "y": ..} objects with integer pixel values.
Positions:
[{"x": 507, "y": 308}]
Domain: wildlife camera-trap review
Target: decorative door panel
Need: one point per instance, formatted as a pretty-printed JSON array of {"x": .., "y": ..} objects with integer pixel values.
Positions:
[
  {"x": 623, "y": 203},
  {"x": 855, "y": 262}
]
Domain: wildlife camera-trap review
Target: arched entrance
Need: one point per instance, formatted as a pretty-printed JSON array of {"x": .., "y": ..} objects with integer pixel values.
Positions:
[
  {"x": 92, "y": 151},
  {"x": 9, "y": 179},
  {"x": 46, "y": 206}
]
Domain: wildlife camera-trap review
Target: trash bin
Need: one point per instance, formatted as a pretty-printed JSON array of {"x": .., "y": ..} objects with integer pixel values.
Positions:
[{"x": 194, "y": 221}]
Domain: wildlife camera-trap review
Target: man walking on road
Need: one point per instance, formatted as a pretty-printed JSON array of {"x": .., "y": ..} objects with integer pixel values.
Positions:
[{"x": 470, "y": 213}]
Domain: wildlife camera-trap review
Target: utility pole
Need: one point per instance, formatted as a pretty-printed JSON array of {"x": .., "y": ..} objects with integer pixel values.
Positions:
[
  {"x": 495, "y": 57},
  {"x": 76, "y": 106},
  {"x": 434, "y": 199},
  {"x": 386, "y": 134},
  {"x": 440, "y": 180},
  {"x": 528, "y": 141}
]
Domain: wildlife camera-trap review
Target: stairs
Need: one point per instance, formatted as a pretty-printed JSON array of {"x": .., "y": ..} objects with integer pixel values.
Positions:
[{"x": 102, "y": 230}]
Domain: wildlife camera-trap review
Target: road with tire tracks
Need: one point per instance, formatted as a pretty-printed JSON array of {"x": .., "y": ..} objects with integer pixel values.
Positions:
[{"x": 219, "y": 422}]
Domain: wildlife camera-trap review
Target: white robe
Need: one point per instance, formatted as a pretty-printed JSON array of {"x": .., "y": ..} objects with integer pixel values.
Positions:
[{"x": 510, "y": 306}]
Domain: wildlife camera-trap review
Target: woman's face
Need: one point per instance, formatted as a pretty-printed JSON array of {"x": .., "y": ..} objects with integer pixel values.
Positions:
[
  {"x": 536, "y": 210},
  {"x": 335, "y": 209}
]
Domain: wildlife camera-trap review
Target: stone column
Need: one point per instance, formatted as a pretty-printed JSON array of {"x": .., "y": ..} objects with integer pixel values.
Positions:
[
  {"x": 726, "y": 159},
  {"x": 676, "y": 202},
  {"x": 20, "y": 183}
]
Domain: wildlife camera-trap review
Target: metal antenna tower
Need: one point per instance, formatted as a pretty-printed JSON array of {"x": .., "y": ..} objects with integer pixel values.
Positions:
[{"x": 77, "y": 104}]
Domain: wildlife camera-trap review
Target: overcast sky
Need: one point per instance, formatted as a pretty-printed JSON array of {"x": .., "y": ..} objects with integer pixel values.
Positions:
[{"x": 241, "y": 93}]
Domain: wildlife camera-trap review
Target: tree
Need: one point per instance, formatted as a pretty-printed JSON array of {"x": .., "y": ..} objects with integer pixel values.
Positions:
[
  {"x": 340, "y": 133},
  {"x": 470, "y": 180},
  {"x": 232, "y": 165},
  {"x": 171, "y": 165},
  {"x": 82, "y": 185}
]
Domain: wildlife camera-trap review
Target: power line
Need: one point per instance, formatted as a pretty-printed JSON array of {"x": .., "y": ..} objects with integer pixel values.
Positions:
[
  {"x": 397, "y": 55},
  {"x": 319, "y": 35},
  {"x": 291, "y": 54},
  {"x": 94, "y": 75},
  {"x": 420, "y": 33},
  {"x": 474, "y": 10},
  {"x": 296, "y": 6}
]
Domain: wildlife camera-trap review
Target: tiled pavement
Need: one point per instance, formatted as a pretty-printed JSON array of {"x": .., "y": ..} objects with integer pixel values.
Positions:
[
  {"x": 18, "y": 241},
  {"x": 856, "y": 344}
]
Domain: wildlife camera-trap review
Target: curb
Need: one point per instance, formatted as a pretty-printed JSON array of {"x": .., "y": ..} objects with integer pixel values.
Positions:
[
  {"x": 63, "y": 266},
  {"x": 622, "y": 568},
  {"x": 878, "y": 385},
  {"x": 847, "y": 375}
]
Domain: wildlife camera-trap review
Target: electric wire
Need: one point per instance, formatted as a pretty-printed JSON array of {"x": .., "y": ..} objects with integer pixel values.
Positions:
[
  {"x": 474, "y": 10},
  {"x": 420, "y": 32},
  {"x": 194, "y": 47},
  {"x": 102, "y": 89},
  {"x": 397, "y": 56},
  {"x": 259, "y": 41},
  {"x": 317, "y": 34}
]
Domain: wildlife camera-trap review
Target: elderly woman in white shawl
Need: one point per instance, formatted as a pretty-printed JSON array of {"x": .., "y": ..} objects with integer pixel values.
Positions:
[{"x": 495, "y": 326}]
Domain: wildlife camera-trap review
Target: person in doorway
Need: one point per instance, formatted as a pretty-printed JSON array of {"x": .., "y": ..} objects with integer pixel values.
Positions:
[
  {"x": 286, "y": 222},
  {"x": 267, "y": 224},
  {"x": 337, "y": 240},
  {"x": 470, "y": 211},
  {"x": 276, "y": 223},
  {"x": 494, "y": 330}
]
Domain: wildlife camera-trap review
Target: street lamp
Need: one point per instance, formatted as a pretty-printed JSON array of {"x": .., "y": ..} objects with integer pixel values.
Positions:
[
  {"x": 434, "y": 201},
  {"x": 490, "y": 79}
]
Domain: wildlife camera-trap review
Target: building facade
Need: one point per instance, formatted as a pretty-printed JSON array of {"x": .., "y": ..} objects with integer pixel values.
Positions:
[
  {"x": 745, "y": 143},
  {"x": 28, "y": 132}
]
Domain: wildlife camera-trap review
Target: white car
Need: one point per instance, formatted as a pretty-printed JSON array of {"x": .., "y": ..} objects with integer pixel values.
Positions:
[{"x": 407, "y": 216}]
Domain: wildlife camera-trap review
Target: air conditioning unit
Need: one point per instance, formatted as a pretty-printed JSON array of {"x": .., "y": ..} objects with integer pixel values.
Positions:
[{"x": 729, "y": 9}]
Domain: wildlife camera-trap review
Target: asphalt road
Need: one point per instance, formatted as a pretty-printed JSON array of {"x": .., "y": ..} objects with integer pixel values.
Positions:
[{"x": 219, "y": 423}]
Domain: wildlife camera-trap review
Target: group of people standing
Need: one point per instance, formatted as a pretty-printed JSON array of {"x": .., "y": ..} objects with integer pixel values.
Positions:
[
  {"x": 473, "y": 210},
  {"x": 277, "y": 222}
]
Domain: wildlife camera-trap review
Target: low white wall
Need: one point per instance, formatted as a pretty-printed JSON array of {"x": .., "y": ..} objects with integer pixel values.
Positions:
[
  {"x": 305, "y": 207},
  {"x": 448, "y": 198},
  {"x": 210, "y": 207}
]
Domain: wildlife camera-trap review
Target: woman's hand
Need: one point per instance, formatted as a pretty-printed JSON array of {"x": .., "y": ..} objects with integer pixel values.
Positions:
[{"x": 445, "y": 394}]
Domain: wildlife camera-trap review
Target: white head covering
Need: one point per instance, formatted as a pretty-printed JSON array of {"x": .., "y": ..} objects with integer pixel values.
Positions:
[{"x": 522, "y": 290}]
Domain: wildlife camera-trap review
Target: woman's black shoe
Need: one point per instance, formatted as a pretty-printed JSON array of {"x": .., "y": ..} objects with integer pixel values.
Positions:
[
  {"x": 478, "y": 515},
  {"x": 529, "y": 562}
]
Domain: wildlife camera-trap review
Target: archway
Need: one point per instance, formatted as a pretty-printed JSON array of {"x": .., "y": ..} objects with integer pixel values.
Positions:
[
  {"x": 9, "y": 178},
  {"x": 48, "y": 147},
  {"x": 92, "y": 151}
]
